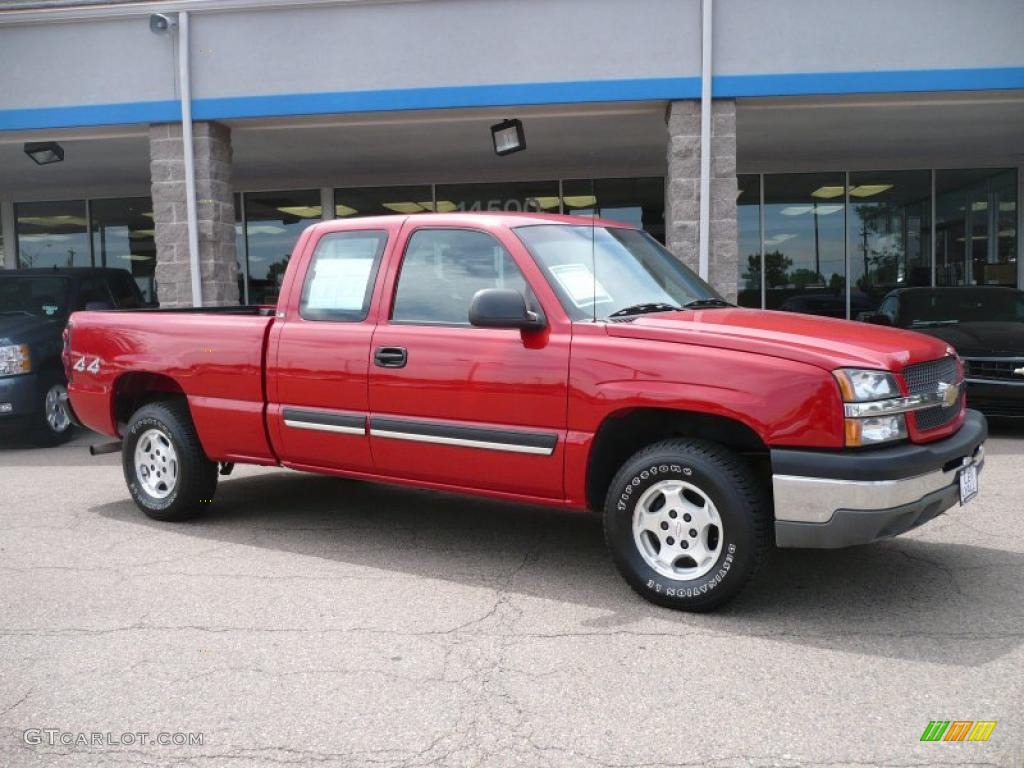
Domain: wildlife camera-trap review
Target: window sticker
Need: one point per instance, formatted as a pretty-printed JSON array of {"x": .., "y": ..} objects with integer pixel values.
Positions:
[
  {"x": 50, "y": 309},
  {"x": 580, "y": 284},
  {"x": 339, "y": 284}
]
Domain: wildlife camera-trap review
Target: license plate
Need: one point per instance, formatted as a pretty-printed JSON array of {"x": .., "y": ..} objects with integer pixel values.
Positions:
[{"x": 968, "y": 483}]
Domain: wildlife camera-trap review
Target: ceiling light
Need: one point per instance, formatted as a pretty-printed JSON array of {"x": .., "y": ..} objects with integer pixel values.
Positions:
[
  {"x": 545, "y": 203},
  {"x": 44, "y": 152},
  {"x": 796, "y": 210},
  {"x": 825, "y": 210},
  {"x": 580, "y": 201},
  {"x": 141, "y": 232},
  {"x": 829, "y": 192},
  {"x": 867, "y": 190},
  {"x": 445, "y": 206},
  {"x": 302, "y": 211},
  {"x": 139, "y": 257},
  {"x": 343, "y": 210},
  {"x": 508, "y": 137},
  {"x": 404, "y": 207}
]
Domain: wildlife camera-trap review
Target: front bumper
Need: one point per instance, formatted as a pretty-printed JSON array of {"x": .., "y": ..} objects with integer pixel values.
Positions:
[
  {"x": 19, "y": 396},
  {"x": 996, "y": 398},
  {"x": 839, "y": 499}
]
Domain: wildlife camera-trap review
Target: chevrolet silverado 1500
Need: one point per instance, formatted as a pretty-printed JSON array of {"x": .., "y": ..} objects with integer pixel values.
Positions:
[{"x": 548, "y": 360}]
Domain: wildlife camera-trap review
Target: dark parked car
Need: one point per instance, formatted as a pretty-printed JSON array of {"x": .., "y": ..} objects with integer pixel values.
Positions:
[
  {"x": 34, "y": 308},
  {"x": 985, "y": 325}
]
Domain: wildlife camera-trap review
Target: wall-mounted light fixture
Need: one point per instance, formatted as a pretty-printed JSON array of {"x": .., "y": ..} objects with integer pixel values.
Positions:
[
  {"x": 508, "y": 137},
  {"x": 161, "y": 22},
  {"x": 44, "y": 152}
]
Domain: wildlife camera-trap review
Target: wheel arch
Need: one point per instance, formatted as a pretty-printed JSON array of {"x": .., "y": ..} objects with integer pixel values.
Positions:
[
  {"x": 622, "y": 433},
  {"x": 133, "y": 390}
]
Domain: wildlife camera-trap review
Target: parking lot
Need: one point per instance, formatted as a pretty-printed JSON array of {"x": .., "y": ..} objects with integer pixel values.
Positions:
[{"x": 315, "y": 621}]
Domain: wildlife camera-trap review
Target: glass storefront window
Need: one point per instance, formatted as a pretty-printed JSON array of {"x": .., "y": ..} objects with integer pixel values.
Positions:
[
  {"x": 804, "y": 233},
  {"x": 273, "y": 221},
  {"x": 976, "y": 239},
  {"x": 636, "y": 201},
  {"x": 498, "y": 196},
  {"x": 889, "y": 234},
  {"x": 383, "y": 201},
  {"x": 122, "y": 237},
  {"x": 748, "y": 220},
  {"x": 52, "y": 234}
]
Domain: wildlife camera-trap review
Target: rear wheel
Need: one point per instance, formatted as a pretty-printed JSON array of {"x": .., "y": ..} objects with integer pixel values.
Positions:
[
  {"x": 50, "y": 422},
  {"x": 687, "y": 524},
  {"x": 167, "y": 473}
]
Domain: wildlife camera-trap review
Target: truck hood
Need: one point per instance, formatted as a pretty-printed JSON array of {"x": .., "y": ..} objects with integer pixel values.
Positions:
[
  {"x": 982, "y": 339},
  {"x": 28, "y": 329},
  {"x": 818, "y": 341}
]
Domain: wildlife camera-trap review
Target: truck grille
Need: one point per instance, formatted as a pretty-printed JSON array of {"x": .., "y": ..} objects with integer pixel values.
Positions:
[
  {"x": 924, "y": 378},
  {"x": 994, "y": 369}
]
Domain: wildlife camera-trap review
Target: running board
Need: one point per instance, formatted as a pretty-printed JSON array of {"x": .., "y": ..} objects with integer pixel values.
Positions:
[{"x": 101, "y": 448}]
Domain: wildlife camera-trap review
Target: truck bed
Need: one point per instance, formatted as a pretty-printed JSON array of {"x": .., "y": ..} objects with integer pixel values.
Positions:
[{"x": 212, "y": 355}]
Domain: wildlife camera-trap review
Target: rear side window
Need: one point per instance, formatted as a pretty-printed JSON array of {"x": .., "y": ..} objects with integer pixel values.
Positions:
[
  {"x": 442, "y": 271},
  {"x": 94, "y": 290},
  {"x": 340, "y": 278},
  {"x": 125, "y": 290}
]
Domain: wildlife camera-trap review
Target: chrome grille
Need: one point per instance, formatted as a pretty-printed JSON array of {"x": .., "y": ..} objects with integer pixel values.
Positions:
[
  {"x": 924, "y": 378},
  {"x": 990, "y": 368}
]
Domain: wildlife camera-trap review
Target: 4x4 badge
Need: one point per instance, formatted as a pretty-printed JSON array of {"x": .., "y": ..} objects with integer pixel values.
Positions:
[{"x": 93, "y": 367}]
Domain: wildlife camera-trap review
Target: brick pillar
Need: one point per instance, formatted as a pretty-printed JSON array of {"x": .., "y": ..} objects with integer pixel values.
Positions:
[
  {"x": 682, "y": 191},
  {"x": 215, "y": 213}
]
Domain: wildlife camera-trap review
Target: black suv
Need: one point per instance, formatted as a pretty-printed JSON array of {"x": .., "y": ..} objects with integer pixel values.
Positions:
[
  {"x": 985, "y": 324},
  {"x": 34, "y": 308}
]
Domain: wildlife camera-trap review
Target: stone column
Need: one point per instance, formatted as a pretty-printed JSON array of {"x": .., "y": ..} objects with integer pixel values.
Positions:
[
  {"x": 215, "y": 213},
  {"x": 682, "y": 191}
]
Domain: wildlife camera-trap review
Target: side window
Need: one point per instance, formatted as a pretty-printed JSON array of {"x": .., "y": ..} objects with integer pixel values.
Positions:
[
  {"x": 93, "y": 289},
  {"x": 125, "y": 291},
  {"x": 889, "y": 308},
  {"x": 339, "y": 281},
  {"x": 442, "y": 271}
]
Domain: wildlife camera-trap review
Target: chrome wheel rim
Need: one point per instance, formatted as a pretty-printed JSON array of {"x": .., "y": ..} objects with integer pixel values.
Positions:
[
  {"x": 56, "y": 416},
  {"x": 677, "y": 529},
  {"x": 156, "y": 463}
]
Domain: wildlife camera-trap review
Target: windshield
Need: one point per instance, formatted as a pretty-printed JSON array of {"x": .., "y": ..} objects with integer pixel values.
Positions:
[
  {"x": 599, "y": 272},
  {"x": 37, "y": 295},
  {"x": 961, "y": 305}
]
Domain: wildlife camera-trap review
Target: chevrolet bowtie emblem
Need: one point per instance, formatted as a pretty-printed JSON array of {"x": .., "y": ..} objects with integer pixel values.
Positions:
[
  {"x": 1019, "y": 371},
  {"x": 949, "y": 393}
]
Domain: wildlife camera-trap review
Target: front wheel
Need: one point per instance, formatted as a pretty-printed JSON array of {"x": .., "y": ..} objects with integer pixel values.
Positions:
[
  {"x": 51, "y": 424},
  {"x": 167, "y": 472},
  {"x": 687, "y": 524}
]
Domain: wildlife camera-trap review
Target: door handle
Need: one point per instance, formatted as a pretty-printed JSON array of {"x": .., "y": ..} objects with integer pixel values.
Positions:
[{"x": 391, "y": 357}]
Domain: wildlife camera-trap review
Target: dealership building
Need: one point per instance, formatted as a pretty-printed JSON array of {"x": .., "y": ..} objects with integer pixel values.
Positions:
[{"x": 809, "y": 155}]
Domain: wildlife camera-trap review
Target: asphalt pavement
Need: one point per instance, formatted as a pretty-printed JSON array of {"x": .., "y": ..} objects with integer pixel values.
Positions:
[{"x": 317, "y": 621}]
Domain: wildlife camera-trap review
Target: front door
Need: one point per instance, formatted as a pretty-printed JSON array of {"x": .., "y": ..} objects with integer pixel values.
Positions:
[
  {"x": 318, "y": 359},
  {"x": 458, "y": 405}
]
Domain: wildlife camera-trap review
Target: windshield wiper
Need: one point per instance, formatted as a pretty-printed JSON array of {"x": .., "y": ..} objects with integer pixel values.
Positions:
[
  {"x": 643, "y": 309},
  {"x": 698, "y": 303}
]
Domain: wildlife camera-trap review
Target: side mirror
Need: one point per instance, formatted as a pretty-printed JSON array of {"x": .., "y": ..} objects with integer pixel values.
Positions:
[
  {"x": 875, "y": 318},
  {"x": 94, "y": 306},
  {"x": 503, "y": 308}
]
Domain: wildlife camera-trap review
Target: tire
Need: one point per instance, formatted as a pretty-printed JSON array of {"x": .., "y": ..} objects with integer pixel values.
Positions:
[
  {"x": 167, "y": 473},
  {"x": 50, "y": 424},
  {"x": 703, "y": 505}
]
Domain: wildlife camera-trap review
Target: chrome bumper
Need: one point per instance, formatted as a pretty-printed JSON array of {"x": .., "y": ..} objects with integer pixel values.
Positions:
[{"x": 817, "y": 499}]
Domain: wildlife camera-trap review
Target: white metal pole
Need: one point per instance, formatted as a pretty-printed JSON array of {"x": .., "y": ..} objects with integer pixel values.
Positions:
[
  {"x": 184, "y": 77},
  {"x": 705, "y": 138}
]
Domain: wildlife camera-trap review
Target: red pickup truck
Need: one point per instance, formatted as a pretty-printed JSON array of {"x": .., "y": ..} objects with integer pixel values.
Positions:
[{"x": 549, "y": 360}]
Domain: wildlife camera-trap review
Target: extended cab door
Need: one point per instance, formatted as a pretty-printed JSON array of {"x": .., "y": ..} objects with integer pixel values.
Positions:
[
  {"x": 452, "y": 404},
  {"x": 318, "y": 352}
]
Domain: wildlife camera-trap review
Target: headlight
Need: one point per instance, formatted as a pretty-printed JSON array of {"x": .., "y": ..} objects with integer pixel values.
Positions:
[
  {"x": 14, "y": 359},
  {"x": 869, "y": 424},
  {"x": 858, "y": 385}
]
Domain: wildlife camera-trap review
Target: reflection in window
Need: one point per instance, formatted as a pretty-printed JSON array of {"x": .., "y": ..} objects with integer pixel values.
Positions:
[
  {"x": 383, "y": 201},
  {"x": 748, "y": 218},
  {"x": 52, "y": 234},
  {"x": 499, "y": 196},
  {"x": 976, "y": 227},
  {"x": 122, "y": 237},
  {"x": 804, "y": 253},
  {"x": 636, "y": 201},
  {"x": 890, "y": 230},
  {"x": 273, "y": 222}
]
